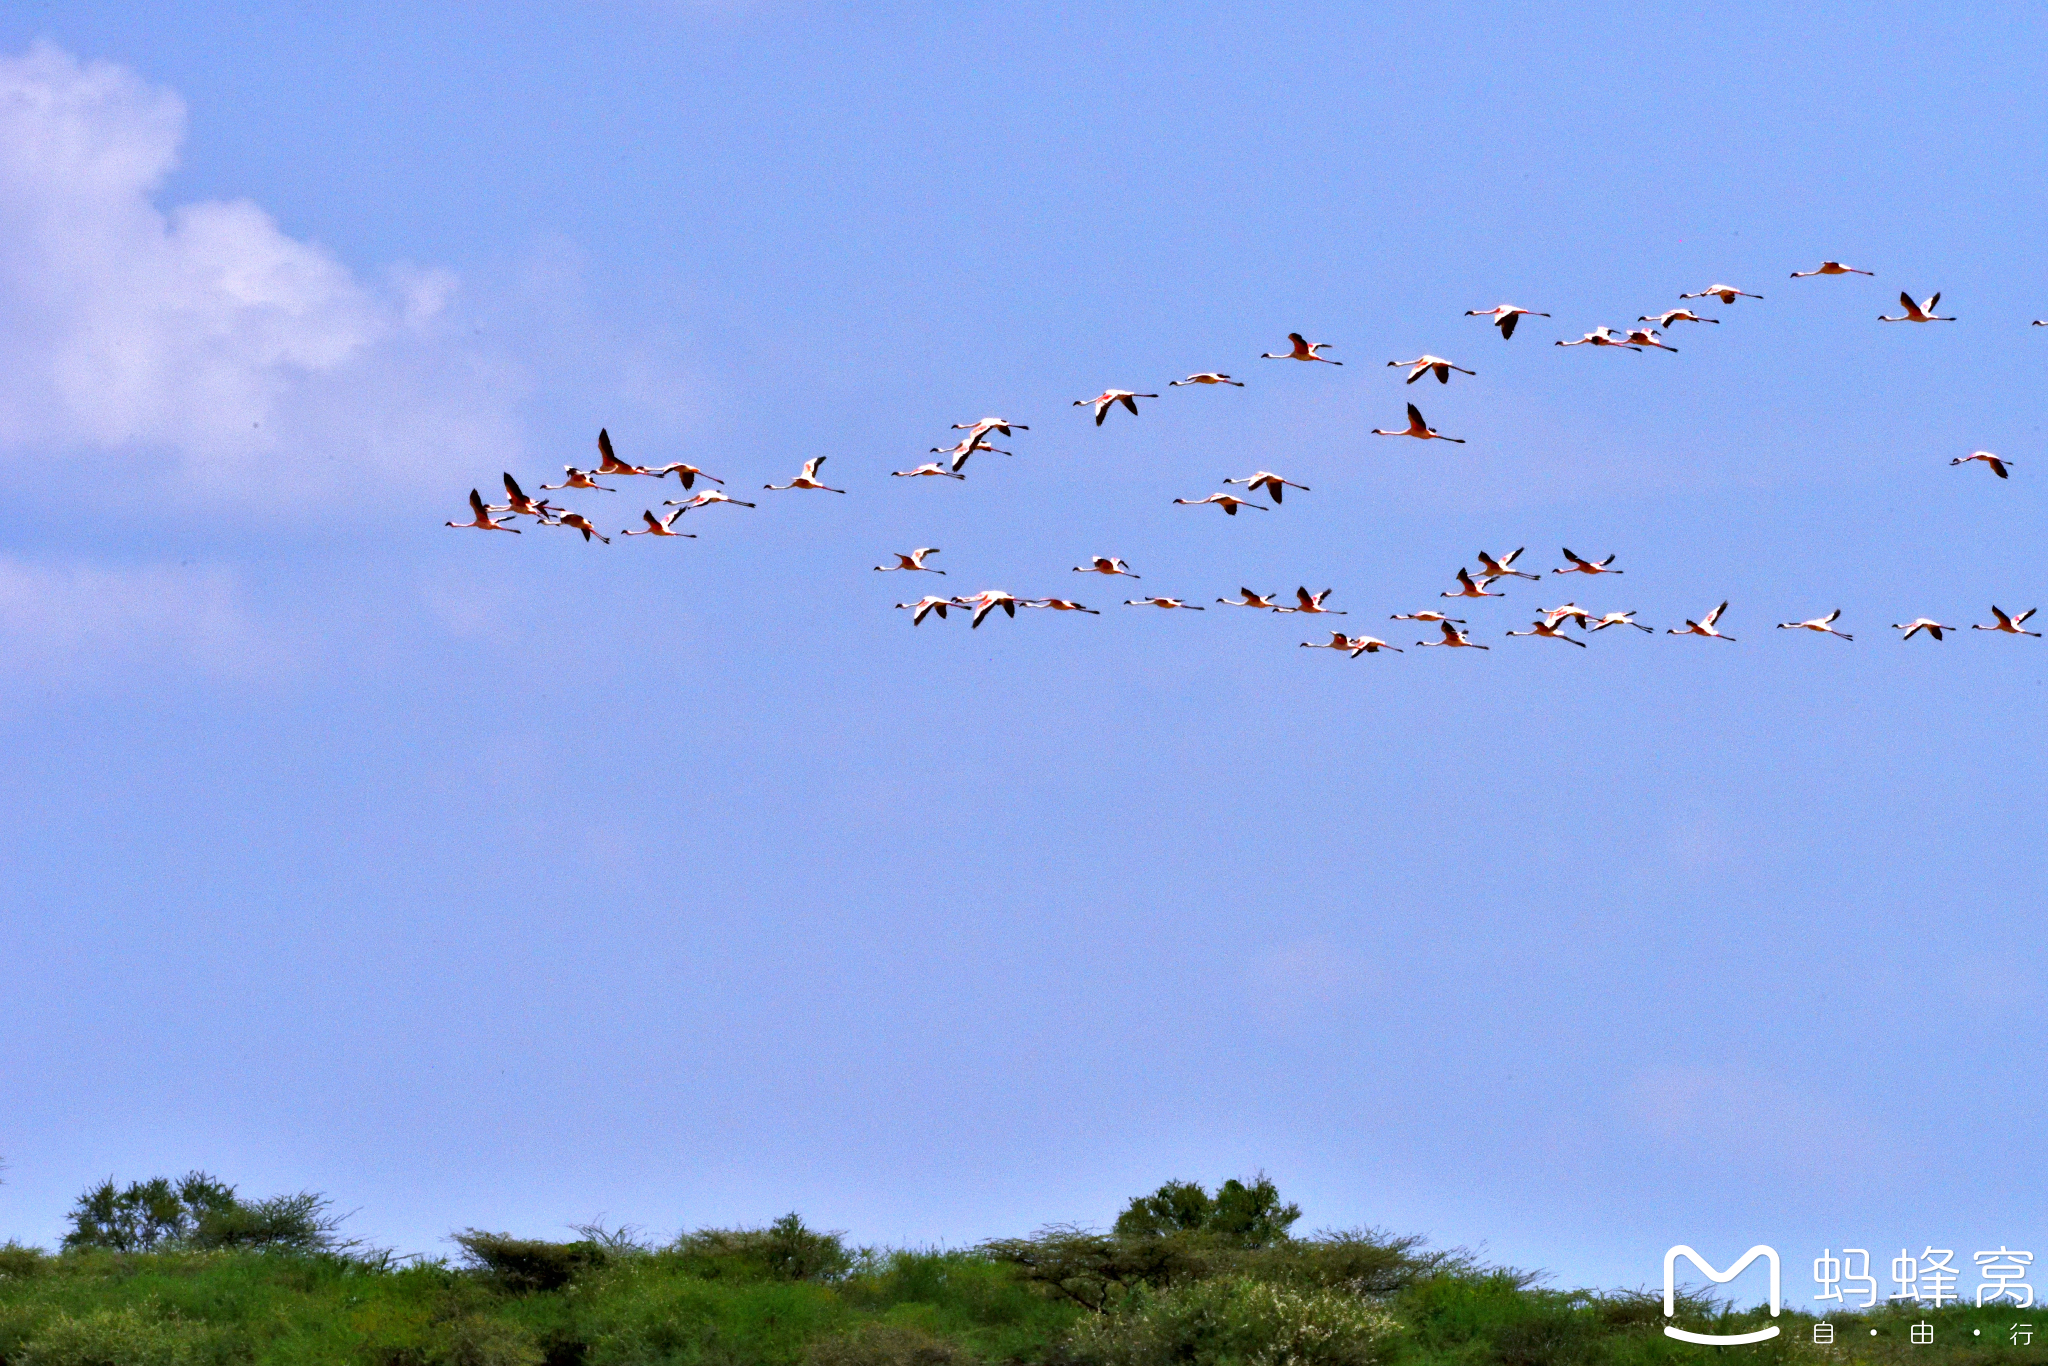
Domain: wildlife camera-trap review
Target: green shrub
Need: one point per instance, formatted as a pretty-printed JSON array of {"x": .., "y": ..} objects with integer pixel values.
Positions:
[
  {"x": 18, "y": 1261},
  {"x": 884, "y": 1344},
  {"x": 1235, "y": 1321},
  {"x": 1237, "y": 1215},
  {"x": 784, "y": 1251},
  {"x": 525, "y": 1265},
  {"x": 196, "y": 1211},
  {"x": 113, "y": 1337},
  {"x": 477, "y": 1340}
]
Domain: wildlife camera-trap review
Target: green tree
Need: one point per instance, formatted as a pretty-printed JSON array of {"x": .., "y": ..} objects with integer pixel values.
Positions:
[
  {"x": 197, "y": 1211},
  {"x": 1237, "y": 1215}
]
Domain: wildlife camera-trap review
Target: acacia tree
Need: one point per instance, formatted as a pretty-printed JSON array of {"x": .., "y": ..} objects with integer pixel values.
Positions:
[
  {"x": 197, "y": 1211},
  {"x": 1237, "y": 1215}
]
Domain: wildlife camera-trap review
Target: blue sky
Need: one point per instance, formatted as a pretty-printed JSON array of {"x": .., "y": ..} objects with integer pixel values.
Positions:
[{"x": 514, "y": 884}]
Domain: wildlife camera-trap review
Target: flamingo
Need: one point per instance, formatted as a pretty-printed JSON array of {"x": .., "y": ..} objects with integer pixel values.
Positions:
[
  {"x": 1423, "y": 365},
  {"x": 1704, "y": 626},
  {"x": 484, "y": 520},
  {"x": 1549, "y": 631},
  {"x": 1825, "y": 625},
  {"x": 1504, "y": 317},
  {"x": 1249, "y": 599},
  {"x": 611, "y": 464},
  {"x": 576, "y": 521},
  {"x": 1918, "y": 624},
  {"x": 927, "y": 604},
  {"x": 989, "y": 424},
  {"x": 685, "y": 473},
  {"x": 1357, "y": 645},
  {"x": 1676, "y": 315},
  {"x": 577, "y": 479},
  {"x": 1419, "y": 429},
  {"x": 2009, "y": 625},
  {"x": 516, "y": 501},
  {"x": 1504, "y": 567},
  {"x": 1579, "y": 566},
  {"x": 1229, "y": 502},
  {"x": 1996, "y": 462},
  {"x": 1424, "y": 616},
  {"x": 1647, "y": 336},
  {"x": 1455, "y": 638},
  {"x": 1469, "y": 589},
  {"x": 1727, "y": 294},
  {"x": 1206, "y": 377},
  {"x": 1619, "y": 619},
  {"x": 1270, "y": 482},
  {"x": 1917, "y": 313},
  {"x": 1601, "y": 336},
  {"x": 964, "y": 447},
  {"x": 705, "y": 500},
  {"x": 808, "y": 479},
  {"x": 914, "y": 561},
  {"x": 1571, "y": 611},
  {"x": 1831, "y": 268},
  {"x": 1106, "y": 564},
  {"x": 661, "y": 526},
  {"x": 1311, "y": 603},
  {"x": 1162, "y": 602},
  {"x": 1103, "y": 401},
  {"x": 1060, "y": 605},
  {"x": 987, "y": 601},
  {"x": 1304, "y": 349},
  {"x": 928, "y": 470}
]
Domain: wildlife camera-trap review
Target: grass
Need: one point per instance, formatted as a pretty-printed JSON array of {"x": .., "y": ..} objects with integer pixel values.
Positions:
[{"x": 721, "y": 1300}]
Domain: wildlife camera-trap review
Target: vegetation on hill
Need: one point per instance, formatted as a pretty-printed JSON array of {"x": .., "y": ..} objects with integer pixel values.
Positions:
[{"x": 1185, "y": 1276}]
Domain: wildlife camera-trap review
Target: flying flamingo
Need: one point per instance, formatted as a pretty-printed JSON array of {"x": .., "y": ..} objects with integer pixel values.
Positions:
[
  {"x": 1704, "y": 626},
  {"x": 1825, "y": 625},
  {"x": 1571, "y": 611},
  {"x": 1424, "y": 616},
  {"x": 914, "y": 560},
  {"x": 1249, "y": 599},
  {"x": 1469, "y": 589},
  {"x": 705, "y": 500},
  {"x": 1423, "y": 365},
  {"x": 1455, "y": 638},
  {"x": 1106, "y": 564},
  {"x": 989, "y": 424},
  {"x": 927, "y": 604},
  {"x": 2009, "y": 625},
  {"x": 1229, "y": 502},
  {"x": 964, "y": 447},
  {"x": 1304, "y": 349},
  {"x": 1601, "y": 336},
  {"x": 484, "y": 521},
  {"x": 1504, "y": 567},
  {"x": 1579, "y": 566},
  {"x": 611, "y": 464},
  {"x": 1996, "y": 462},
  {"x": 1831, "y": 268},
  {"x": 1060, "y": 605},
  {"x": 577, "y": 479},
  {"x": 808, "y": 479},
  {"x": 1918, "y": 624},
  {"x": 1675, "y": 315},
  {"x": 686, "y": 473},
  {"x": 1647, "y": 336},
  {"x": 987, "y": 601},
  {"x": 1357, "y": 645},
  {"x": 1103, "y": 401},
  {"x": 1419, "y": 429},
  {"x": 929, "y": 469},
  {"x": 1311, "y": 603},
  {"x": 1727, "y": 294},
  {"x": 1619, "y": 619},
  {"x": 1917, "y": 313},
  {"x": 516, "y": 501},
  {"x": 661, "y": 526},
  {"x": 1162, "y": 602},
  {"x": 1269, "y": 481},
  {"x": 1504, "y": 317},
  {"x": 1206, "y": 377},
  {"x": 1549, "y": 631},
  {"x": 576, "y": 521}
]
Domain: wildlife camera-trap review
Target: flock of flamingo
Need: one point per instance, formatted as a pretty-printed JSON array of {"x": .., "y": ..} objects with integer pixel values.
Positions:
[{"x": 1550, "y": 623}]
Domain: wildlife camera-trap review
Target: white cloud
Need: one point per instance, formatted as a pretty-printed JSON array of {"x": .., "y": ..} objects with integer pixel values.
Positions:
[
  {"x": 62, "y": 623},
  {"x": 204, "y": 331}
]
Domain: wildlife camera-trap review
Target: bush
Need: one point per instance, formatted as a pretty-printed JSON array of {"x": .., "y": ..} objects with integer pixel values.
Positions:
[
  {"x": 784, "y": 1251},
  {"x": 1237, "y": 1215},
  {"x": 884, "y": 1344},
  {"x": 198, "y": 1212},
  {"x": 113, "y": 1337},
  {"x": 18, "y": 1261},
  {"x": 526, "y": 1265},
  {"x": 1235, "y": 1321},
  {"x": 475, "y": 1340},
  {"x": 1090, "y": 1269}
]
